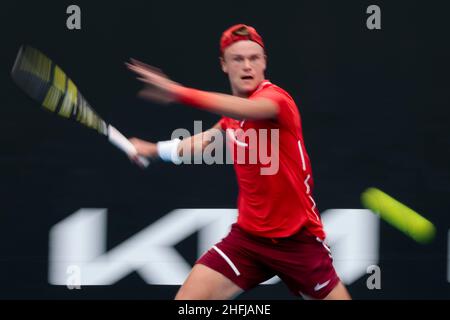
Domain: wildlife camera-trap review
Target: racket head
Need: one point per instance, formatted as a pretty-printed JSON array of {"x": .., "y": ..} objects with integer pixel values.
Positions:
[{"x": 46, "y": 83}]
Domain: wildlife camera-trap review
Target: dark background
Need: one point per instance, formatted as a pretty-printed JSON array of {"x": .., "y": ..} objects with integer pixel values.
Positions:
[{"x": 374, "y": 107}]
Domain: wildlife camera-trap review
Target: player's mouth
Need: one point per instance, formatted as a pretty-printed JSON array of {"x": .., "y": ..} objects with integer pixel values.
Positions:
[{"x": 247, "y": 78}]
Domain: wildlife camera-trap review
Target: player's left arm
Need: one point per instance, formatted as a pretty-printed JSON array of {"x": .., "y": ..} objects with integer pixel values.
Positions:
[
  {"x": 162, "y": 89},
  {"x": 229, "y": 105}
]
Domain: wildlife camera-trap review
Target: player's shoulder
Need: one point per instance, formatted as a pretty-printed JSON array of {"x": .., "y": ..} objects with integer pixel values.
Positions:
[
  {"x": 268, "y": 86},
  {"x": 288, "y": 111}
]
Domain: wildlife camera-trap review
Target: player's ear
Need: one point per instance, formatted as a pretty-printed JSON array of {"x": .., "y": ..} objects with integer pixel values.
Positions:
[{"x": 223, "y": 64}]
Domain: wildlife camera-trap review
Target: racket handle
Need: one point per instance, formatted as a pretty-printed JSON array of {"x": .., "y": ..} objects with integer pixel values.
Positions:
[{"x": 121, "y": 142}]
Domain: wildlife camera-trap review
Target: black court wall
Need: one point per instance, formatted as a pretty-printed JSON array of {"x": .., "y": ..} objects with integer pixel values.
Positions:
[{"x": 374, "y": 107}]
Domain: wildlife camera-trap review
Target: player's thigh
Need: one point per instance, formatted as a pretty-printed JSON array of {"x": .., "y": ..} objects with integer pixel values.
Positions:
[
  {"x": 204, "y": 283},
  {"x": 339, "y": 292},
  {"x": 306, "y": 266}
]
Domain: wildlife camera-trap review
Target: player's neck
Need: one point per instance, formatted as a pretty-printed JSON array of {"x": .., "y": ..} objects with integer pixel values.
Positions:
[{"x": 242, "y": 94}]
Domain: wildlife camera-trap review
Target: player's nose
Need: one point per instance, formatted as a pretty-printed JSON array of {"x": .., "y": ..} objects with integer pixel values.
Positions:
[{"x": 247, "y": 64}]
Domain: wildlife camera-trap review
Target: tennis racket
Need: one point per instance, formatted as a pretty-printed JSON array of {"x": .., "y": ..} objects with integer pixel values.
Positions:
[{"x": 45, "y": 82}]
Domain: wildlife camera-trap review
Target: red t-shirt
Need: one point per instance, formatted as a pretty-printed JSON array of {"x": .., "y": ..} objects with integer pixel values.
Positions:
[{"x": 278, "y": 203}]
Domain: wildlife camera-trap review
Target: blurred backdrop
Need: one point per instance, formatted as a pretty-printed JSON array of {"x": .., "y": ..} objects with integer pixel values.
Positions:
[{"x": 375, "y": 112}]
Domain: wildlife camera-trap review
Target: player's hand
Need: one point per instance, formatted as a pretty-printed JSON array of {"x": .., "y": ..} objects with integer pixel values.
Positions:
[
  {"x": 159, "y": 87},
  {"x": 143, "y": 148}
]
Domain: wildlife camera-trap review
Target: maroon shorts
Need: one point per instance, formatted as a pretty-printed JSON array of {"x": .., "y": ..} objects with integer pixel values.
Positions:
[{"x": 302, "y": 261}]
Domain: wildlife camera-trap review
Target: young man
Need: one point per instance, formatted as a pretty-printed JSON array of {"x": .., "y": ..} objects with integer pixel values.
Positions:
[{"x": 279, "y": 231}]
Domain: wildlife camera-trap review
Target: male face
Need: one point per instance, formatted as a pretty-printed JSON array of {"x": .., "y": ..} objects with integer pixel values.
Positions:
[{"x": 245, "y": 62}]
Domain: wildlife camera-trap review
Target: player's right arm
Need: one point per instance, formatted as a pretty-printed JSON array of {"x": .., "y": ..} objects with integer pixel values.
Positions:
[
  {"x": 197, "y": 143},
  {"x": 194, "y": 144}
]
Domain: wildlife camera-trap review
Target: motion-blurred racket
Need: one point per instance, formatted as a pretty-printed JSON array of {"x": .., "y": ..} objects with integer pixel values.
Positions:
[{"x": 46, "y": 83}]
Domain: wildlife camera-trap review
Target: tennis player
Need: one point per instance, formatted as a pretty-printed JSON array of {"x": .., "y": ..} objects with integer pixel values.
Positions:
[{"x": 278, "y": 230}]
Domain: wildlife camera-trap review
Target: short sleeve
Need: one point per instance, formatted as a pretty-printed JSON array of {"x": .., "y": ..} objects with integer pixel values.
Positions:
[{"x": 286, "y": 106}]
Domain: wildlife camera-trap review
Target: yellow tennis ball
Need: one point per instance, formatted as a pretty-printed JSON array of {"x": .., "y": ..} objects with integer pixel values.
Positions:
[{"x": 398, "y": 215}]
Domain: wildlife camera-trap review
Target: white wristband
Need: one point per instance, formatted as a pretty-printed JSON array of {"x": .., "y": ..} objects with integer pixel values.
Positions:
[{"x": 168, "y": 150}]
